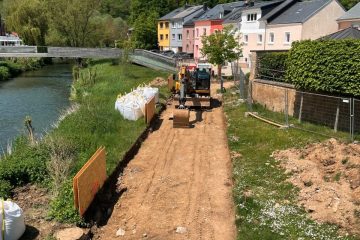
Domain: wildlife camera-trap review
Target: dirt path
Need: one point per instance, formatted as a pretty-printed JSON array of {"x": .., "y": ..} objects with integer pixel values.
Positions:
[{"x": 179, "y": 178}]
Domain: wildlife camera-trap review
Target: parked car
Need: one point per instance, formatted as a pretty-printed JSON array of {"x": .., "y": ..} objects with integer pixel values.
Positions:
[
  {"x": 155, "y": 51},
  {"x": 168, "y": 53},
  {"x": 182, "y": 55}
]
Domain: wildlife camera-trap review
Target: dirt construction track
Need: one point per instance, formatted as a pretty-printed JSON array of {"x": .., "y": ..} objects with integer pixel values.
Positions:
[{"x": 178, "y": 186}]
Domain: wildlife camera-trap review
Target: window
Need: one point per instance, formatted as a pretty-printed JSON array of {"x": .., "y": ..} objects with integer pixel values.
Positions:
[
  {"x": 193, "y": 33},
  {"x": 161, "y": 37},
  {"x": 187, "y": 47},
  {"x": 204, "y": 31},
  {"x": 179, "y": 36},
  {"x": 197, "y": 32},
  {"x": 259, "y": 38},
  {"x": 161, "y": 25},
  {"x": 167, "y": 36},
  {"x": 221, "y": 15},
  {"x": 187, "y": 34},
  {"x": 246, "y": 38},
  {"x": 166, "y": 25},
  {"x": 287, "y": 37},
  {"x": 172, "y": 25},
  {"x": 173, "y": 36},
  {"x": 252, "y": 17},
  {"x": 271, "y": 38}
]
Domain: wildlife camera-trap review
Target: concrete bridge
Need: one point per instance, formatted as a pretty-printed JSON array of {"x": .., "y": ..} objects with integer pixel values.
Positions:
[{"x": 138, "y": 56}]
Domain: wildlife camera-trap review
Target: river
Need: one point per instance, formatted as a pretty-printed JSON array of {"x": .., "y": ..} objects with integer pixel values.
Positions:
[{"x": 40, "y": 94}]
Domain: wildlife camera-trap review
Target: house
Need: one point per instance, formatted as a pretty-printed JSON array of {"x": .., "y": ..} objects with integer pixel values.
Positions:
[
  {"x": 164, "y": 30},
  {"x": 347, "y": 33},
  {"x": 210, "y": 22},
  {"x": 275, "y": 28},
  {"x": 189, "y": 33},
  {"x": 351, "y": 18},
  {"x": 177, "y": 22},
  {"x": 170, "y": 27}
]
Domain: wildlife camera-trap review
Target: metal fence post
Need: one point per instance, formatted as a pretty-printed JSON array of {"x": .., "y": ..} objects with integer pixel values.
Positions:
[
  {"x": 286, "y": 108},
  {"x": 352, "y": 120}
]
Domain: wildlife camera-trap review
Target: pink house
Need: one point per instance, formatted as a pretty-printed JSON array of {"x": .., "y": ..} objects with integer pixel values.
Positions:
[{"x": 210, "y": 22}]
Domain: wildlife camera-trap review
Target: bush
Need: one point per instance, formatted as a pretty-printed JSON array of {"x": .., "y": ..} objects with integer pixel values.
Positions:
[
  {"x": 4, "y": 73},
  {"x": 331, "y": 66},
  {"x": 271, "y": 66},
  {"x": 14, "y": 68},
  {"x": 5, "y": 188},
  {"x": 26, "y": 164}
]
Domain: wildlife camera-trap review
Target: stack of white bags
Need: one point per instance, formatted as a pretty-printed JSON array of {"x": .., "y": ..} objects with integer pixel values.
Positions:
[
  {"x": 12, "y": 221},
  {"x": 132, "y": 105}
]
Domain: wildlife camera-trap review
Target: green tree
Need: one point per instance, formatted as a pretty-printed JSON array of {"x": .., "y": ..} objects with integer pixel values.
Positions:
[
  {"x": 71, "y": 20},
  {"x": 144, "y": 34},
  {"x": 221, "y": 47},
  {"x": 27, "y": 18}
]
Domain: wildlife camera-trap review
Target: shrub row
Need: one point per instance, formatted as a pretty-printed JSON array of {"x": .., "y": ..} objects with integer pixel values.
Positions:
[
  {"x": 331, "y": 66},
  {"x": 271, "y": 66}
]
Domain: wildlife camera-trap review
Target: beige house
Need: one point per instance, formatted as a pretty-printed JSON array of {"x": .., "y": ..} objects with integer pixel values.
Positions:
[
  {"x": 289, "y": 21},
  {"x": 351, "y": 18}
]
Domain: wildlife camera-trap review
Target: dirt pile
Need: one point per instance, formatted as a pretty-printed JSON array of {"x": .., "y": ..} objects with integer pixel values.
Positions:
[
  {"x": 158, "y": 82},
  {"x": 328, "y": 176}
]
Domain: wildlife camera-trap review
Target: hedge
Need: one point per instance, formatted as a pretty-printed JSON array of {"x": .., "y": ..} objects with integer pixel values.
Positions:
[
  {"x": 4, "y": 73},
  {"x": 331, "y": 66},
  {"x": 271, "y": 66}
]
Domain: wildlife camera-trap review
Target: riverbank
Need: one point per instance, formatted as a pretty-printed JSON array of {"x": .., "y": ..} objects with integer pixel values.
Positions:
[
  {"x": 53, "y": 162},
  {"x": 10, "y": 68}
]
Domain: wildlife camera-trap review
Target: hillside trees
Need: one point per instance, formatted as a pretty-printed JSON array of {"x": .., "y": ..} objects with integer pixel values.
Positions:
[{"x": 28, "y": 18}]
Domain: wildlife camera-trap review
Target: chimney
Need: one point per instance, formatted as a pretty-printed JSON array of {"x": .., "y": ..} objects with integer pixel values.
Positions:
[{"x": 205, "y": 6}]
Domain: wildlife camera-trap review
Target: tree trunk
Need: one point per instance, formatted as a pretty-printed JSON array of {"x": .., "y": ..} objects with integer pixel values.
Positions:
[{"x": 220, "y": 79}]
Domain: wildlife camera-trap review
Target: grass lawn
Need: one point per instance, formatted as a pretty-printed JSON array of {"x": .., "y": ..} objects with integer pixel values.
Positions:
[{"x": 266, "y": 205}]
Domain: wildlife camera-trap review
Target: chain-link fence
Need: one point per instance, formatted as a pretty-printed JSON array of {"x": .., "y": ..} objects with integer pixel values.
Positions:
[{"x": 334, "y": 116}]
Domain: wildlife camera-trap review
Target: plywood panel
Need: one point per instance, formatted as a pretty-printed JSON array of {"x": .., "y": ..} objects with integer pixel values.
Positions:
[
  {"x": 89, "y": 180},
  {"x": 149, "y": 110}
]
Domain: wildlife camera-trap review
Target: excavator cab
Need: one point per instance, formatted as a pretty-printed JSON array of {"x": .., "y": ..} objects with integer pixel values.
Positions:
[{"x": 192, "y": 89}]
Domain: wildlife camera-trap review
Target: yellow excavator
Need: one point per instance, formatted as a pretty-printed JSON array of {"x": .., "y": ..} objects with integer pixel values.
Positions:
[{"x": 191, "y": 90}]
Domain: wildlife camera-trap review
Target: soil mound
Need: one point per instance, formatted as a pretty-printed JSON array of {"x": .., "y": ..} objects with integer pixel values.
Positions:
[
  {"x": 328, "y": 176},
  {"x": 158, "y": 82}
]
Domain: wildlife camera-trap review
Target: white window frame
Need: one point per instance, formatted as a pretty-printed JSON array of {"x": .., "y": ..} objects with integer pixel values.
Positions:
[
  {"x": 251, "y": 17},
  {"x": 271, "y": 38},
  {"x": 260, "y": 37},
  {"x": 179, "y": 37},
  {"x": 286, "y": 38},
  {"x": 197, "y": 32},
  {"x": 246, "y": 38},
  {"x": 187, "y": 34},
  {"x": 173, "y": 36}
]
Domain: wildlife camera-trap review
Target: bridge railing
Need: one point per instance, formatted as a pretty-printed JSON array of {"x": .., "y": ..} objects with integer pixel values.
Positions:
[
  {"x": 155, "y": 56},
  {"x": 18, "y": 49}
]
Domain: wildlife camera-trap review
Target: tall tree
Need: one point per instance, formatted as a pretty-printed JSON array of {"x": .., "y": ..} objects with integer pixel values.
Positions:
[
  {"x": 221, "y": 47},
  {"x": 27, "y": 18},
  {"x": 71, "y": 20},
  {"x": 145, "y": 31}
]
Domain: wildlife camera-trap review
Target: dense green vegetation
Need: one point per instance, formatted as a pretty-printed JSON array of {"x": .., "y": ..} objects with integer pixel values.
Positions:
[
  {"x": 331, "y": 66},
  {"x": 13, "y": 67},
  {"x": 55, "y": 160},
  {"x": 266, "y": 206},
  {"x": 271, "y": 66}
]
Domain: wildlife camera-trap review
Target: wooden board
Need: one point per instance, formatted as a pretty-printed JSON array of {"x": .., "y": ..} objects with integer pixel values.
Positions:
[
  {"x": 171, "y": 82},
  {"x": 149, "y": 110},
  {"x": 89, "y": 180}
]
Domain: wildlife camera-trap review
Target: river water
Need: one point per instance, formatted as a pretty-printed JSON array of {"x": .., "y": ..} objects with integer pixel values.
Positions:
[{"x": 40, "y": 94}]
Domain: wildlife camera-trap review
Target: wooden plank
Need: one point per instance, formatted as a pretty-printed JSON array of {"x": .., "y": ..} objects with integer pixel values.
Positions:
[
  {"x": 75, "y": 179},
  {"x": 89, "y": 180},
  {"x": 149, "y": 110}
]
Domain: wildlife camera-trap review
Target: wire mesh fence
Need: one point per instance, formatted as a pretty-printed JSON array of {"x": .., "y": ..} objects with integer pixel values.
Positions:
[{"x": 333, "y": 116}]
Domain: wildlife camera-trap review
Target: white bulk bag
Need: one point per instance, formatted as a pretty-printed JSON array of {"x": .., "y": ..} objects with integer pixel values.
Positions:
[
  {"x": 12, "y": 221},
  {"x": 151, "y": 92}
]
